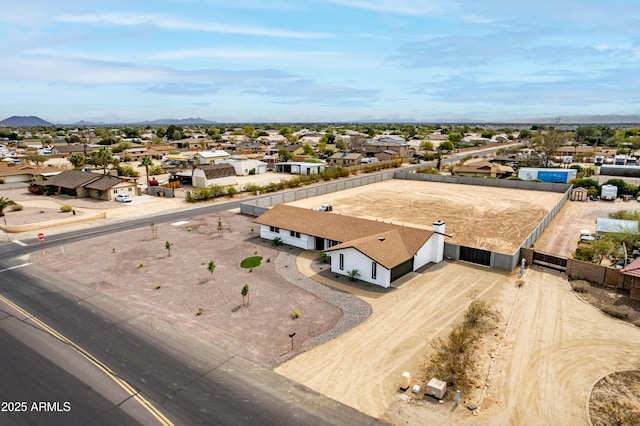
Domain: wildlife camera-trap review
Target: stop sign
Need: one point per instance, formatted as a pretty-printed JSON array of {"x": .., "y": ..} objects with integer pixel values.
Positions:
[{"x": 41, "y": 236}]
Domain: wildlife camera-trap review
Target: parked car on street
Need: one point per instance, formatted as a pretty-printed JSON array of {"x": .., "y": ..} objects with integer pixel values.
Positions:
[{"x": 123, "y": 198}]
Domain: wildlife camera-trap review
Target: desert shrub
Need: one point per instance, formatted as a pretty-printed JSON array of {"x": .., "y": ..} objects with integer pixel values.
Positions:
[
  {"x": 454, "y": 360},
  {"x": 65, "y": 208},
  {"x": 231, "y": 191},
  {"x": 580, "y": 288},
  {"x": 295, "y": 314},
  {"x": 324, "y": 257},
  {"x": 156, "y": 170},
  {"x": 16, "y": 207},
  {"x": 614, "y": 312},
  {"x": 277, "y": 241}
]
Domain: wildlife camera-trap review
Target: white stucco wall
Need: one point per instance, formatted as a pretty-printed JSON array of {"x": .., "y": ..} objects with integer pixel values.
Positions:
[
  {"x": 199, "y": 180},
  {"x": 305, "y": 241},
  {"x": 431, "y": 251},
  {"x": 353, "y": 259}
]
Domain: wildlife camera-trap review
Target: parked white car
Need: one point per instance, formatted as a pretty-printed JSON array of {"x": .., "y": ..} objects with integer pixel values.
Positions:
[{"x": 123, "y": 198}]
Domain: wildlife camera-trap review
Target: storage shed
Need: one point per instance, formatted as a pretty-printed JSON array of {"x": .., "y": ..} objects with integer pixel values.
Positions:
[{"x": 579, "y": 194}]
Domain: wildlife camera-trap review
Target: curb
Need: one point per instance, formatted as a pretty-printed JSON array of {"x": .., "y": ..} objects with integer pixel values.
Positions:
[{"x": 13, "y": 229}]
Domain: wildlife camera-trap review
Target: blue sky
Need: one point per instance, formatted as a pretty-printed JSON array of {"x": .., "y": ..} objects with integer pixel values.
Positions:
[{"x": 318, "y": 60}]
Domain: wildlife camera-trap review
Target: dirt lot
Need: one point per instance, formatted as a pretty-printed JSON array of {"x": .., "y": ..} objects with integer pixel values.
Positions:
[{"x": 477, "y": 216}]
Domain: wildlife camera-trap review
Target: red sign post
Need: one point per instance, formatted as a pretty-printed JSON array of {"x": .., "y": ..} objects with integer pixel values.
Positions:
[{"x": 41, "y": 239}]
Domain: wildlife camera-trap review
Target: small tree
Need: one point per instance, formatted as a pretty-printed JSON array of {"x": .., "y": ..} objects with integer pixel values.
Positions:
[
  {"x": 245, "y": 293},
  {"x": 211, "y": 266},
  {"x": 219, "y": 227},
  {"x": 167, "y": 246},
  {"x": 353, "y": 274},
  {"x": 4, "y": 203}
]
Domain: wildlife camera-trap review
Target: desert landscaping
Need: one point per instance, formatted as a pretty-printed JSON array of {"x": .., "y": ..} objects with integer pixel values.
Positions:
[{"x": 354, "y": 341}]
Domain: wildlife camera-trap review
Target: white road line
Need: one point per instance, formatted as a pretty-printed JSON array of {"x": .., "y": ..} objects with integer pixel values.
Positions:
[
  {"x": 182, "y": 222},
  {"x": 20, "y": 243},
  {"x": 15, "y": 267}
]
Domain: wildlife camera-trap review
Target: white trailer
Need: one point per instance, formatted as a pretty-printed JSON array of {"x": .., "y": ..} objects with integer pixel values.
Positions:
[{"x": 609, "y": 192}]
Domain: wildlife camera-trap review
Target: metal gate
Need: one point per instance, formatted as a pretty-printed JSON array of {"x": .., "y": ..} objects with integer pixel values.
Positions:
[
  {"x": 474, "y": 255},
  {"x": 550, "y": 261}
]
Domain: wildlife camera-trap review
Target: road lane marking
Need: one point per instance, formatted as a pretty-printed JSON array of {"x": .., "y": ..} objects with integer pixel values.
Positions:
[
  {"x": 14, "y": 267},
  {"x": 20, "y": 243},
  {"x": 95, "y": 361}
]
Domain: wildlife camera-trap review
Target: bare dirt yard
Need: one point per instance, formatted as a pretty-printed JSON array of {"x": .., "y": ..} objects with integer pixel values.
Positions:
[{"x": 477, "y": 216}]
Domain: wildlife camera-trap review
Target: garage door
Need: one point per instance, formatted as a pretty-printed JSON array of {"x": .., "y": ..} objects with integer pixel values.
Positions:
[
  {"x": 474, "y": 255},
  {"x": 401, "y": 269}
]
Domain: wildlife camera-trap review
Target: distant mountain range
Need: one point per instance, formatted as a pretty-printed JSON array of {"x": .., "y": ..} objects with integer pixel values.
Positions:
[
  {"x": 33, "y": 121},
  {"x": 22, "y": 121}
]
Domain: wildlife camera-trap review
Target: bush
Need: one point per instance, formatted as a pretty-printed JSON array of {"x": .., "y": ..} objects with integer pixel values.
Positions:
[
  {"x": 580, "y": 288},
  {"x": 616, "y": 313},
  {"x": 295, "y": 314},
  {"x": 65, "y": 208},
  {"x": 277, "y": 241},
  {"x": 231, "y": 191},
  {"x": 16, "y": 207}
]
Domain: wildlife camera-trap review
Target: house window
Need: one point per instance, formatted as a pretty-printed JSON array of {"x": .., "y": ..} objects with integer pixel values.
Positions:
[
  {"x": 274, "y": 229},
  {"x": 341, "y": 261},
  {"x": 115, "y": 191},
  {"x": 374, "y": 270},
  {"x": 294, "y": 234}
]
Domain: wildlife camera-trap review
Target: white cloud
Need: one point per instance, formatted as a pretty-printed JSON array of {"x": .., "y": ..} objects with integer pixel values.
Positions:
[
  {"x": 175, "y": 24},
  {"x": 402, "y": 7}
]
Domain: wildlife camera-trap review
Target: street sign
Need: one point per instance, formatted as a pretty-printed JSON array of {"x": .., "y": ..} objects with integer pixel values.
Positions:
[{"x": 41, "y": 237}]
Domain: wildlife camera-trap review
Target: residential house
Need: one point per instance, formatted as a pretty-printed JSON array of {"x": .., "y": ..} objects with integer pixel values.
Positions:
[
  {"x": 345, "y": 159},
  {"x": 483, "y": 168},
  {"x": 213, "y": 174},
  {"x": 631, "y": 279},
  {"x": 210, "y": 157},
  {"x": 159, "y": 151},
  {"x": 67, "y": 150},
  {"x": 11, "y": 172},
  {"x": 388, "y": 148},
  {"x": 381, "y": 252},
  {"x": 86, "y": 184}
]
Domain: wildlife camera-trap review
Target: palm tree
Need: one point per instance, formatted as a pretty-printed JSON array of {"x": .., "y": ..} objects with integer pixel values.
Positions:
[
  {"x": 146, "y": 162},
  {"x": 4, "y": 203},
  {"x": 102, "y": 158}
]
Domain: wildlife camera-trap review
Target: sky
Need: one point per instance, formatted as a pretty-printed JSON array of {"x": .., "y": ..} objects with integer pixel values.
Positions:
[{"x": 318, "y": 60}]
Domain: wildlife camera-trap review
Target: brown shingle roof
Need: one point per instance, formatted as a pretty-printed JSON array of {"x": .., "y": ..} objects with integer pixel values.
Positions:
[
  {"x": 104, "y": 183},
  {"x": 70, "y": 179},
  {"x": 400, "y": 242}
]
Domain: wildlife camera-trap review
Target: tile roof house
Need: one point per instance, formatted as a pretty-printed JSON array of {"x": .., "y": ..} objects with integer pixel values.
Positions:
[
  {"x": 213, "y": 174},
  {"x": 87, "y": 184},
  {"x": 381, "y": 252}
]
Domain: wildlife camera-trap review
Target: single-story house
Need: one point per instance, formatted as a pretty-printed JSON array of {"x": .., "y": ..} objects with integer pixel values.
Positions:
[
  {"x": 299, "y": 168},
  {"x": 88, "y": 184},
  {"x": 210, "y": 157},
  {"x": 213, "y": 174},
  {"x": 381, "y": 252},
  {"x": 159, "y": 151},
  {"x": 244, "y": 166},
  {"x": 483, "y": 168},
  {"x": 11, "y": 172},
  {"x": 346, "y": 159},
  {"x": 135, "y": 153}
]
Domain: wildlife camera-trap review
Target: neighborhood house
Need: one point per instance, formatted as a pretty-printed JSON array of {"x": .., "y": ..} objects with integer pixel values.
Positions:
[{"x": 380, "y": 252}]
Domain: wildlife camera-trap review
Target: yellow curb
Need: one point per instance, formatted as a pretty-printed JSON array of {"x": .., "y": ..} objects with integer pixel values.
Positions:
[{"x": 51, "y": 223}]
